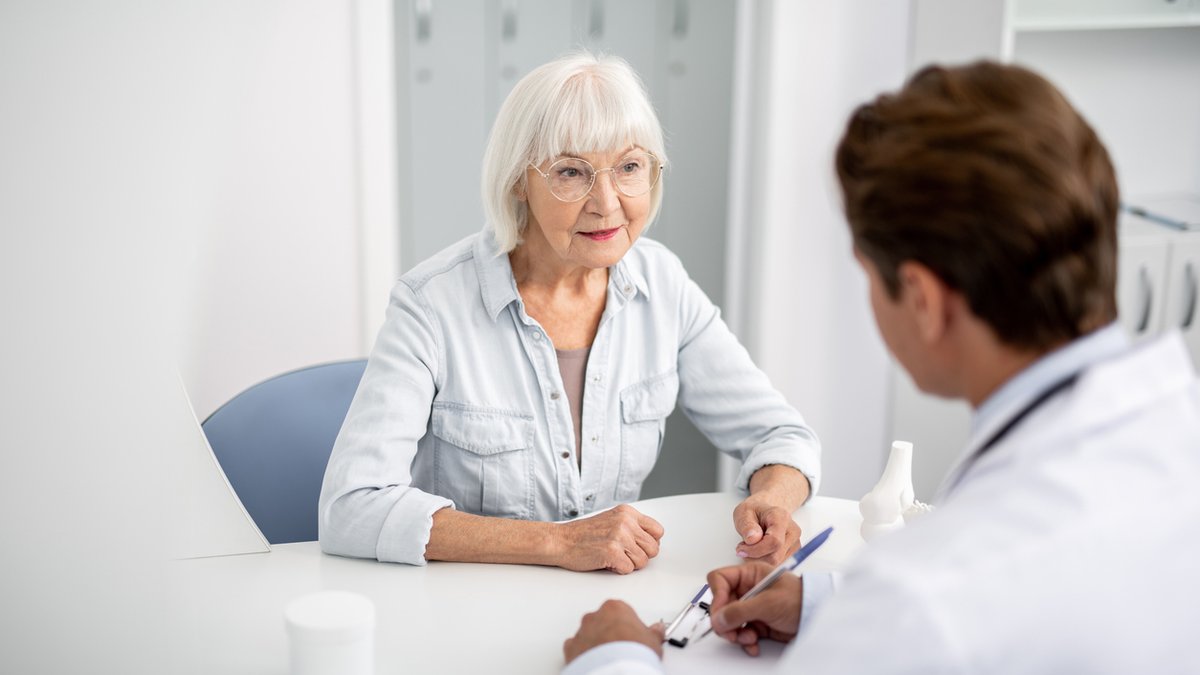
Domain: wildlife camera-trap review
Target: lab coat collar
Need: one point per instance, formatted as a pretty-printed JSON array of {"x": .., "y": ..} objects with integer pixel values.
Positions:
[{"x": 1077, "y": 356}]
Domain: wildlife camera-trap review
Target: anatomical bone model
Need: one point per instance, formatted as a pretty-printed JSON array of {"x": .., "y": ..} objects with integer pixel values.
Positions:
[{"x": 890, "y": 503}]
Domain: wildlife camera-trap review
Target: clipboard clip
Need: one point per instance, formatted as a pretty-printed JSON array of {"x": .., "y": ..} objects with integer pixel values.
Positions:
[{"x": 692, "y": 622}]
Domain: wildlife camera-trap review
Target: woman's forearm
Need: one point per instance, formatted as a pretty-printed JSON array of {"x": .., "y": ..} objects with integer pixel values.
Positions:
[
  {"x": 465, "y": 537},
  {"x": 619, "y": 539},
  {"x": 782, "y": 485}
]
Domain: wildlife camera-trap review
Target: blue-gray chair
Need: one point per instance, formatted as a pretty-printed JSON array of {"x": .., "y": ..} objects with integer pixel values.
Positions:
[{"x": 273, "y": 441}]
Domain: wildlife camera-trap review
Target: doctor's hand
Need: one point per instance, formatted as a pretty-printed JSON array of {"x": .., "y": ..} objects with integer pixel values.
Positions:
[
  {"x": 773, "y": 614},
  {"x": 615, "y": 621},
  {"x": 621, "y": 540},
  {"x": 768, "y": 532}
]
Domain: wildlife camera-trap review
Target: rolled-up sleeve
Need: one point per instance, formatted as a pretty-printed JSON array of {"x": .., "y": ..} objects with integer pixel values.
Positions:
[
  {"x": 368, "y": 506},
  {"x": 732, "y": 402}
]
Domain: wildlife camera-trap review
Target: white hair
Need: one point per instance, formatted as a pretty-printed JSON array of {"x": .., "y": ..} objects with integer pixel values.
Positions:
[{"x": 577, "y": 103}]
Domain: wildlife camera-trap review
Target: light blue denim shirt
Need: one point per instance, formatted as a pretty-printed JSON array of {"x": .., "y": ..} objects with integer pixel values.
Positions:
[{"x": 462, "y": 404}]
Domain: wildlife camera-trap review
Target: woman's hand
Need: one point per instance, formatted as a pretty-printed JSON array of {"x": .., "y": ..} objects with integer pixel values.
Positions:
[
  {"x": 764, "y": 519},
  {"x": 620, "y": 539},
  {"x": 773, "y": 614},
  {"x": 615, "y": 621},
  {"x": 768, "y": 532}
]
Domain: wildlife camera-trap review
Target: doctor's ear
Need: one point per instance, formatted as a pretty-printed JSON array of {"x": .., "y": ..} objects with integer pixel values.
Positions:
[{"x": 927, "y": 298}]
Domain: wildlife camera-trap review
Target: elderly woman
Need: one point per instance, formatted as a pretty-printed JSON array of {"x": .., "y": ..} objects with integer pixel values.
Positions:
[{"x": 523, "y": 376}]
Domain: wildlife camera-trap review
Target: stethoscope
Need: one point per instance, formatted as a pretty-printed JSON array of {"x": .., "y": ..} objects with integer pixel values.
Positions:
[{"x": 1011, "y": 424}]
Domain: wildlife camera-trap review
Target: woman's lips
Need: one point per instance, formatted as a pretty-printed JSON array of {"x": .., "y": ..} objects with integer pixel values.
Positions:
[{"x": 601, "y": 235}]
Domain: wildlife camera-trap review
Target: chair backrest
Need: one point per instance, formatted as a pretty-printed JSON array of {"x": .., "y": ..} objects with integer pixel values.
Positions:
[{"x": 273, "y": 441}]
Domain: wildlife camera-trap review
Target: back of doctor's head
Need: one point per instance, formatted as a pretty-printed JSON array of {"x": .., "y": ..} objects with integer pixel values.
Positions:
[
  {"x": 987, "y": 175},
  {"x": 578, "y": 103}
]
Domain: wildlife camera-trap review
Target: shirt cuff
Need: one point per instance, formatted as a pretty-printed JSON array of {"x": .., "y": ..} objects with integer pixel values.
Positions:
[
  {"x": 405, "y": 532},
  {"x": 818, "y": 587},
  {"x": 807, "y": 461},
  {"x": 626, "y": 658}
]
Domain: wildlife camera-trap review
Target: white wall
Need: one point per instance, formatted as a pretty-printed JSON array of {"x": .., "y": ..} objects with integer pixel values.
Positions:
[
  {"x": 115, "y": 137},
  {"x": 277, "y": 274},
  {"x": 810, "y": 325}
]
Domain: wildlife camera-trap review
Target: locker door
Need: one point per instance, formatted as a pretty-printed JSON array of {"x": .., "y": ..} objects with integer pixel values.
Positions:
[
  {"x": 693, "y": 97},
  {"x": 522, "y": 35},
  {"x": 1183, "y": 288},
  {"x": 447, "y": 126},
  {"x": 625, "y": 28}
]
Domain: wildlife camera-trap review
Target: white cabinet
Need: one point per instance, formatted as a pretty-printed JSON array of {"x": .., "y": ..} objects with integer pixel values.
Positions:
[
  {"x": 1141, "y": 277},
  {"x": 1102, "y": 14},
  {"x": 1130, "y": 67},
  {"x": 1182, "y": 306}
]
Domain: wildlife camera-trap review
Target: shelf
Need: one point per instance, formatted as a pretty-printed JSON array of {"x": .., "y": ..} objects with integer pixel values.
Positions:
[{"x": 1044, "y": 24}]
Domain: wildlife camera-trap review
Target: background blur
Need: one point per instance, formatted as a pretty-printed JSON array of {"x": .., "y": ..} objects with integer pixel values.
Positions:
[{"x": 226, "y": 190}]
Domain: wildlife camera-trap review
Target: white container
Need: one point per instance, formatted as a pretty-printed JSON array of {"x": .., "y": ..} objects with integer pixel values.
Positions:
[{"x": 331, "y": 633}]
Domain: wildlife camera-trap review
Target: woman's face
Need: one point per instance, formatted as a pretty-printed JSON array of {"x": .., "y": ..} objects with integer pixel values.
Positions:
[{"x": 594, "y": 232}]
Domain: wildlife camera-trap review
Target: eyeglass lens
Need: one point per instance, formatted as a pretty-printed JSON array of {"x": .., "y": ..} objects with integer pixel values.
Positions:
[{"x": 571, "y": 178}]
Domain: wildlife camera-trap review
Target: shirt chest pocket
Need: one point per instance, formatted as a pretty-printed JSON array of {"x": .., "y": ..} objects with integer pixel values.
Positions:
[
  {"x": 644, "y": 410},
  {"x": 483, "y": 459}
]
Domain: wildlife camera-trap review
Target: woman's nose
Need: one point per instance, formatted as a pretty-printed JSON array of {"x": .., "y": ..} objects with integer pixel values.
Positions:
[{"x": 604, "y": 195}]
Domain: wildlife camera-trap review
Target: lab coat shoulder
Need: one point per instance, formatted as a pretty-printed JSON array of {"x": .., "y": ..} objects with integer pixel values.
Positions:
[
  {"x": 1054, "y": 535},
  {"x": 886, "y": 618}
]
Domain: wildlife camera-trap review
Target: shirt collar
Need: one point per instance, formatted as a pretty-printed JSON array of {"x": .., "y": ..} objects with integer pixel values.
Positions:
[
  {"x": 498, "y": 287},
  {"x": 1024, "y": 386},
  {"x": 496, "y": 283},
  {"x": 626, "y": 280}
]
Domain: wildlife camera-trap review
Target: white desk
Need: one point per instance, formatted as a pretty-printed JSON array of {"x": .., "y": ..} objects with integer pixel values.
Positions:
[{"x": 226, "y": 613}]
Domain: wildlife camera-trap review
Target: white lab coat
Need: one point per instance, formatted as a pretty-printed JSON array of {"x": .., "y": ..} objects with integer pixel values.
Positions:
[{"x": 1070, "y": 547}]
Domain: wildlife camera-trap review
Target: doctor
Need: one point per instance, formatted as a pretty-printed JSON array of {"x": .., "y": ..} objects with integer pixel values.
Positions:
[{"x": 983, "y": 211}]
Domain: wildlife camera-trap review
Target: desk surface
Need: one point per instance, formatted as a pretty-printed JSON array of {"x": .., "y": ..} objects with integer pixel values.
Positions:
[{"x": 227, "y": 613}]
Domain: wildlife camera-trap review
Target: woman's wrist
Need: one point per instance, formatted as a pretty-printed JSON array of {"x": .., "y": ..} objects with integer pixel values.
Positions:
[
  {"x": 551, "y": 543},
  {"x": 780, "y": 485}
]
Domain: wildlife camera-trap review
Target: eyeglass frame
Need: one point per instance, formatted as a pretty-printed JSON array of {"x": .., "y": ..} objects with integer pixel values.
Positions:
[{"x": 596, "y": 172}]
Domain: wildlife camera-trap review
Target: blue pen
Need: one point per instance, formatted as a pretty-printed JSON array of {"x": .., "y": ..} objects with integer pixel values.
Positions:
[
  {"x": 786, "y": 566},
  {"x": 789, "y": 564}
]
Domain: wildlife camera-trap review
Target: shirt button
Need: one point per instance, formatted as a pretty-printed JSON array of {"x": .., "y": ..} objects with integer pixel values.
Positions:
[
  {"x": 537, "y": 336},
  {"x": 595, "y": 438},
  {"x": 590, "y": 497},
  {"x": 573, "y": 512},
  {"x": 566, "y": 455},
  {"x": 628, "y": 288},
  {"x": 554, "y": 396},
  {"x": 596, "y": 378}
]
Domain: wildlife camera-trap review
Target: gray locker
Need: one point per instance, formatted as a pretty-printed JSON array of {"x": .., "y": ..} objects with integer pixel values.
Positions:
[{"x": 457, "y": 60}]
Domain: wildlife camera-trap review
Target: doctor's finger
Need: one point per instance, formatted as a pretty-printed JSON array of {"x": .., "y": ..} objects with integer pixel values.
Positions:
[
  {"x": 730, "y": 583},
  {"x": 748, "y": 638}
]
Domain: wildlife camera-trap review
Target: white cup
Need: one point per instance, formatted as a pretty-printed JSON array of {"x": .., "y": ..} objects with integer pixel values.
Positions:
[{"x": 331, "y": 633}]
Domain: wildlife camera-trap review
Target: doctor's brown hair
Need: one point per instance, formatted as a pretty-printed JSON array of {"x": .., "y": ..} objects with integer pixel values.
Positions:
[{"x": 986, "y": 175}]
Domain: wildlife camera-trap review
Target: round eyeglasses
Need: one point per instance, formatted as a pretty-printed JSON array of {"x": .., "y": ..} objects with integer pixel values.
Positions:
[{"x": 571, "y": 178}]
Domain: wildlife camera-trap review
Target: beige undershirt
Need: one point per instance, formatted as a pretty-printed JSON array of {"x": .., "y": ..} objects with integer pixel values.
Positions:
[{"x": 572, "y": 365}]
